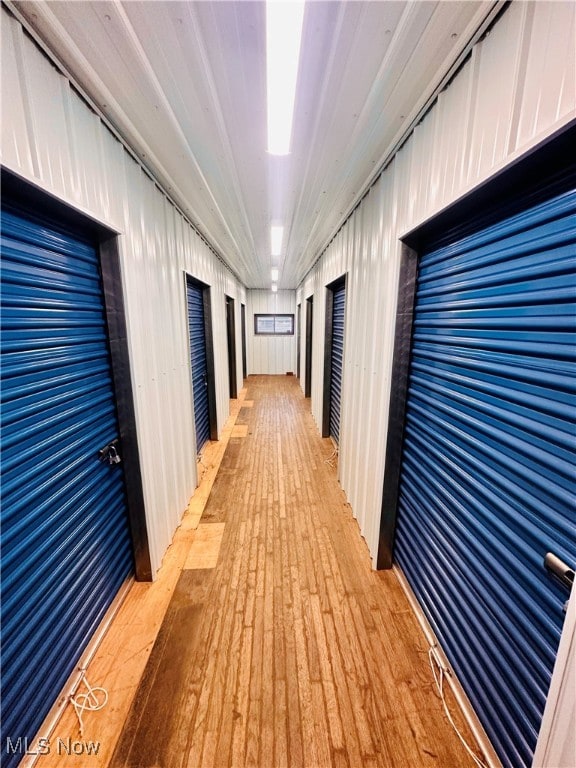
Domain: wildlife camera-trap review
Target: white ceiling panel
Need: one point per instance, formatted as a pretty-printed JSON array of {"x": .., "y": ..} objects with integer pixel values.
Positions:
[{"x": 185, "y": 83}]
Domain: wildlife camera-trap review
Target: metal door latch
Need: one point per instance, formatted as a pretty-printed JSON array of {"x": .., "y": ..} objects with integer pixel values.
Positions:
[
  {"x": 561, "y": 572},
  {"x": 110, "y": 453}
]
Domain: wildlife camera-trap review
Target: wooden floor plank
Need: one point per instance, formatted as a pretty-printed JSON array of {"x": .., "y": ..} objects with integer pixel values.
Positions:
[
  {"x": 205, "y": 548},
  {"x": 148, "y": 727}
]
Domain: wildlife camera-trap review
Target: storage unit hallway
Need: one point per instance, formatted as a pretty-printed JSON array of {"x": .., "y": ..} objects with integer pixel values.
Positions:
[
  {"x": 280, "y": 646},
  {"x": 288, "y": 298}
]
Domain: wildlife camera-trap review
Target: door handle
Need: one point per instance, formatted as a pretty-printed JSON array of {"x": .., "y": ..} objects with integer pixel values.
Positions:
[{"x": 559, "y": 570}]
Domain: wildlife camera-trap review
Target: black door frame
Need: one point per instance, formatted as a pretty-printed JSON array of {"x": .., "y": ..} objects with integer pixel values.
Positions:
[
  {"x": 328, "y": 337},
  {"x": 231, "y": 338},
  {"x": 533, "y": 177},
  {"x": 244, "y": 356},
  {"x": 209, "y": 342},
  {"x": 298, "y": 338},
  {"x": 28, "y": 198},
  {"x": 309, "y": 334}
]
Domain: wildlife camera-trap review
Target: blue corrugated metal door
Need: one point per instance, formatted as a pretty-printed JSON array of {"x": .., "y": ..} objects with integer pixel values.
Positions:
[
  {"x": 198, "y": 361},
  {"x": 337, "y": 359},
  {"x": 488, "y": 470},
  {"x": 66, "y": 547}
]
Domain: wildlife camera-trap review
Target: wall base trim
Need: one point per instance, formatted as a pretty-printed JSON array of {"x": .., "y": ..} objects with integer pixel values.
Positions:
[{"x": 488, "y": 753}]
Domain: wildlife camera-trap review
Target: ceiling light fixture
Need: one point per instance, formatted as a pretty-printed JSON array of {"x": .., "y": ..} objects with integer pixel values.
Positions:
[
  {"x": 283, "y": 37},
  {"x": 275, "y": 274},
  {"x": 274, "y": 287},
  {"x": 276, "y": 235}
]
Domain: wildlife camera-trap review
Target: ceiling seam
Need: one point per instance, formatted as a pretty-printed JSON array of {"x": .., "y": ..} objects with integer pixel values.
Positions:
[
  {"x": 53, "y": 57},
  {"x": 225, "y": 140},
  {"x": 159, "y": 93},
  {"x": 492, "y": 15},
  {"x": 395, "y": 44},
  {"x": 321, "y": 101}
]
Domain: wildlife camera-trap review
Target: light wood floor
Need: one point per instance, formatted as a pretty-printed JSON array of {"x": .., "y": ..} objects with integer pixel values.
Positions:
[{"x": 280, "y": 646}]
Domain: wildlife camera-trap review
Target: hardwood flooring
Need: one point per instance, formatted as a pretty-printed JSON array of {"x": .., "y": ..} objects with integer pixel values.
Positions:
[{"x": 291, "y": 651}]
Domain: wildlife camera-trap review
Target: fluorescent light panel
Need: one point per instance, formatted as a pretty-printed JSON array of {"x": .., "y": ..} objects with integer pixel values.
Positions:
[
  {"x": 274, "y": 287},
  {"x": 283, "y": 36},
  {"x": 275, "y": 274},
  {"x": 276, "y": 235}
]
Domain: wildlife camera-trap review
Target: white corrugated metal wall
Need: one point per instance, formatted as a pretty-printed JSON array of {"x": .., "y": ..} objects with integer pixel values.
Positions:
[
  {"x": 270, "y": 354},
  {"x": 517, "y": 88},
  {"x": 53, "y": 139}
]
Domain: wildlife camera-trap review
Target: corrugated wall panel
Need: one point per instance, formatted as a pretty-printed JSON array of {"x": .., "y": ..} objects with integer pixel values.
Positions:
[
  {"x": 87, "y": 154},
  {"x": 49, "y": 134},
  {"x": 16, "y": 150},
  {"x": 453, "y": 116},
  {"x": 114, "y": 162},
  {"x": 424, "y": 189},
  {"x": 465, "y": 138},
  {"x": 81, "y": 162},
  {"x": 356, "y": 374},
  {"x": 550, "y": 69},
  {"x": 495, "y": 63},
  {"x": 389, "y": 276}
]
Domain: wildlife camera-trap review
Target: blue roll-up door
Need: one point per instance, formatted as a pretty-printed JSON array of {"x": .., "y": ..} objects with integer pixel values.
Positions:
[
  {"x": 66, "y": 548},
  {"x": 198, "y": 362},
  {"x": 337, "y": 359},
  {"x": 488, "y": 470}
]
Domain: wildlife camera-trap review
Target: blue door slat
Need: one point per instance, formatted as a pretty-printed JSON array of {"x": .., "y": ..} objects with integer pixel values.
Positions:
[
  {"x": 65, "y": 541},
  {"x": 199, "y": 363},
  {"x": 549, "y": 485},
  {"x": 527, "y": 227},
  {"x": 488, "y": 476},
  {"x": 337, "y": 359}
]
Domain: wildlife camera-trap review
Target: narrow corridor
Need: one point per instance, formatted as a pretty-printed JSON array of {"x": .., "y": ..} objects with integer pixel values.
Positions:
[{"x": 291, "y": 651}]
